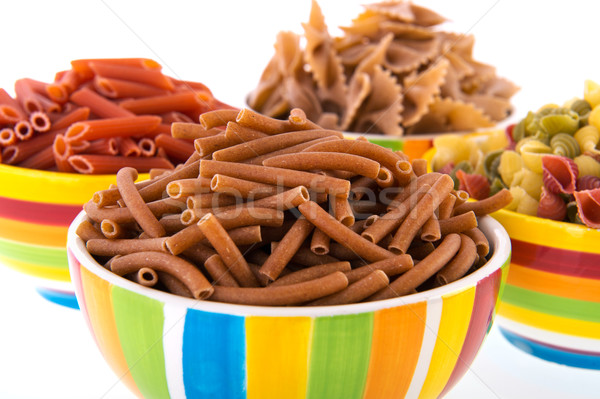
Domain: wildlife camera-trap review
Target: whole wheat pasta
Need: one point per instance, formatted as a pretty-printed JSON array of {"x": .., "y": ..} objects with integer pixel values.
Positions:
[
  {"x": 241, "y": 188},
  {"x": 226, "y": 248},
  {"x": 218, "y": 271},
  {"x": 342, "y": 234},
  {"x": 419, "y": 166},
  {"x": 218, "y": 117},
  {"x": 207, "y": 145},
  {"x": 288, "y": 150},
  {"x": 400, "y": 168},
  {"x": 241, "y": 134},
  {"x": 277, "y": 176},
  {"x": 305, "y": 257},
  {"x": 154, "y": 189},
  {"x": 341, "y": 252},
  {"x": 391, "y": 267},
  {"x": 185, "y": 271},
  {"x": 123, "y": 246},
  {"x": 145, "y": 276},
  {"x": 361, "y": 186},
  {"x": 446, "y": 207},
  {"x": 199, "y": 253},
  {"x": 230, "y": 219},
  {"x": 460, "y": 264},
  {"x": 86, "y": 230},
  {"x": 185, "y": 187},
  {"x": 357, "y": 291},
  {"x": 326, "y": 161},
  {"x": 286, "y": 295},
  {"x": 421, "y": 213},
  {"x": 311, "y": 273},
  {"x": 319, "y": 242},
  {"x": 342, "y": 211},
  {"x": 431, "y": 229},
  {"x": 288, "y": 246},
  {"x": 254, "y": 120},
  {"x": 420, "y": 250},
  {"x": 110, "y": 229},
  {"x": 424, "y": 180},
  {"x": 171, "y": 223},
  {"x": 211, "y": 200},
  {"x": 264, "y": 145},
  {"x": 426, "y": 268},
  {"x": 111, "y": 195},
  {"x": 389, "y": 222},
  {"x": 191, "y": 131},
  {"x": 299, "y": 121},
  {"x": 481, "y": 241},
  {"x": 134, "y": 202},
  {"x": 486, "y": 206},
  {"x": 459, "y": 223}
]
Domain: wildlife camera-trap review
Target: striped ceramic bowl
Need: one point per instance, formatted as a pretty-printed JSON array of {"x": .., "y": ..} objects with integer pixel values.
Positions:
[
  {"x": 162, "y": 346},
  {"x": 551, "y": 303},
  {"x": 413, "y": 146},
  {"x": 36, "y": 208}
]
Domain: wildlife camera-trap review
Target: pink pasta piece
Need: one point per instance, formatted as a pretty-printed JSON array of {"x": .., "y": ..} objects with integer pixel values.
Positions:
[
  {"x": 588, "y": 182},
  {"x": 560, "y": 174},
  {"x": 588, "y": 204},
  {"x": 476, "y": 185},
  {"x": 551, "y": 206},
  {"x": 447, "y": 169}
]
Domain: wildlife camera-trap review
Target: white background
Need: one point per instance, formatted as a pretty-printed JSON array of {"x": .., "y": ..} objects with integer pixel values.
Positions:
[{"x": 548, "y": 48}]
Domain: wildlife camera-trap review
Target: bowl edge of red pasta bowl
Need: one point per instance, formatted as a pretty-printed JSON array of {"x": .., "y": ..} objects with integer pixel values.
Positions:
[
  {"x": 498, "y": 262},
  {"x": 53, "y": 187}
]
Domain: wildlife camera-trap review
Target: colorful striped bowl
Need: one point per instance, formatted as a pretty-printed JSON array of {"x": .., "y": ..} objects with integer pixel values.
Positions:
[
  {"x": 36, "y": 208},
  {"x": 164, "y": 346},
  {"x": 551, "y": 303},
  {"x": 413, "y": 146}
]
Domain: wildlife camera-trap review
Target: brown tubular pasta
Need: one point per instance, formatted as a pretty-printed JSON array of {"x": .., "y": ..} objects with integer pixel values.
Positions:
[
  {"x": 211, "y": 200},
  {"x": 257, "y": 121},
  {"x": 110, "y": 229},
  {"x": 185, "y": 187},
  {"x": 288, "y": 246},
  {"x": 419, "y": 166},
  {"x": 311, "y": 273},
  {"x": 319, "y": 243},
  {"x": 86, "y": 231},
  {"x": 240, "y": 134},
  {"x": 226, "y": 248},
  {"x": 218, "y": 271},
  {"x": 207, "y": 145},
  {"x": 446, "y": 207},
  {"x": 356, "y": 291},
  {"x": 218, "y": 117},
  {"x": 123, "y": 246},
  {"x": 199, "y": 253},
  {"x": 124, "y": 215},
  {"x": 389, "y": 222},
  {"x": 431, "y": 229},
  {"x": 264, "y": 145},
  {"x": 420, "y": 250},
  {"x": 391, "y": 267},
  {"x": 420, "y": 214},
  {"x": 342, "y": 211},
  {"x": 400, "y": 168},
  {"x": 155, "y": 189},
  {"x": 173, "y": 285},
  {"x": 298, "y": 120},
  {"x": 276, "y": 176},
  {"x": 342, "y": 234},
  {"x": 426, "y": 268},
  {"x": 458, "y": 224},
  {"x": 461, "y": 197},
  {"x": 460, "y": 264},
  {"x": 486, "y": 206},
  {"x": 285, "y": 295},
  {"x": 288, "y": 150},
  {"x": 481, "y": 241},
  {"x": 326, "y": 161},
  {"x": 238, "y": 217},
  {"x": 146, "y": 277},
  {"x": 361, "y": 186},
  {"x": 183, "y": 270},
  {"x": 305, "y": 257},
  {"x": 191, "y": 131},
  {"x": 241, "y": 188},
  {"x": 245, "y": 235}
]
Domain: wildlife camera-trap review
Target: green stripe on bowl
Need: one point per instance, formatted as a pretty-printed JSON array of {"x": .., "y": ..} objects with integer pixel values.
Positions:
[
  {"x": 394, "y": 145},
  {"x": 339, "y": 362},
  {"x": 34, "y": 254},
  {"x": 551, "y": 304}
]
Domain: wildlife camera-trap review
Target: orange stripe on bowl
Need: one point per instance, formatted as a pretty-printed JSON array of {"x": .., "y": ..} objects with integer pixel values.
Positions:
[
  {"x": 32, "y": 233},
  {"x": 584, "y": 289}
]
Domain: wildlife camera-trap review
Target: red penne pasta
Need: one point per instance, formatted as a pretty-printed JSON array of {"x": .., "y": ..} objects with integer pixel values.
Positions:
[
  {"x": 28, "y": 95},
  {"x": 178, "y": 149},
  {"x": 76, "y": 115},
  {"x": 23, "y": 130},
  {"x": 83, "y": 66},
  {"x": 7, "y": 137},
  {"x": 147, "y": 147},
  {"x": 107, "y": 146},
  {"x": 99, "y": 105},
  {"x": 152, "y": 77},
  {"x": 128, "y": 147},
  {"x": 10, "y": 110},
  {"x": 112, "y": 127},
  {"x": 39, "y": 121},
  {"x": 64, "y": 84},
  {"x": 43, "y": 159},
  {"x": 108, "y": 164},
  {"x": 117, "y": 88},
  {"x": 18, "y": 152},
  {"x": 184, "y": 101}
]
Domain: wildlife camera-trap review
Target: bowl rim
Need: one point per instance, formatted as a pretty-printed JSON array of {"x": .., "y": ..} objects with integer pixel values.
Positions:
[{"x": 497, "y": 235}]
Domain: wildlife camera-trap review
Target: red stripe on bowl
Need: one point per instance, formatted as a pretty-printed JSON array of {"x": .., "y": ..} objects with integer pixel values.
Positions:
[{"x": 38, "y": 212}]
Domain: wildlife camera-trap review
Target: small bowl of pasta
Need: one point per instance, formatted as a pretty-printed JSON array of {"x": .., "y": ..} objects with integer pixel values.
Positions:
[
  {"x": 549, "y": 162},
  {"x": 360, "y": 301},
  {"x": 61, "y": 142}
]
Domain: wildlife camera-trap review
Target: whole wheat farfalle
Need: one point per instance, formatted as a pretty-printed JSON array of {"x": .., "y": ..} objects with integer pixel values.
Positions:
[{"x": 399, "y": 44}]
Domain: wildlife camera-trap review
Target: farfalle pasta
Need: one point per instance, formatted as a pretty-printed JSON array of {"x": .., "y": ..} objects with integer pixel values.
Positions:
[
  {"x": 392, "y": 71},
  {"x": 549, "y": 161}
]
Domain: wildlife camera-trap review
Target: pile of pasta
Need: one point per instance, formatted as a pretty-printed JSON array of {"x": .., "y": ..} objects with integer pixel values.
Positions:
[
  {"x": 550, "y": 161},
  {"x": 392, "y": 72},
  {"x": 284, "y": 212},
  {"x": 99, "y": 116}
]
